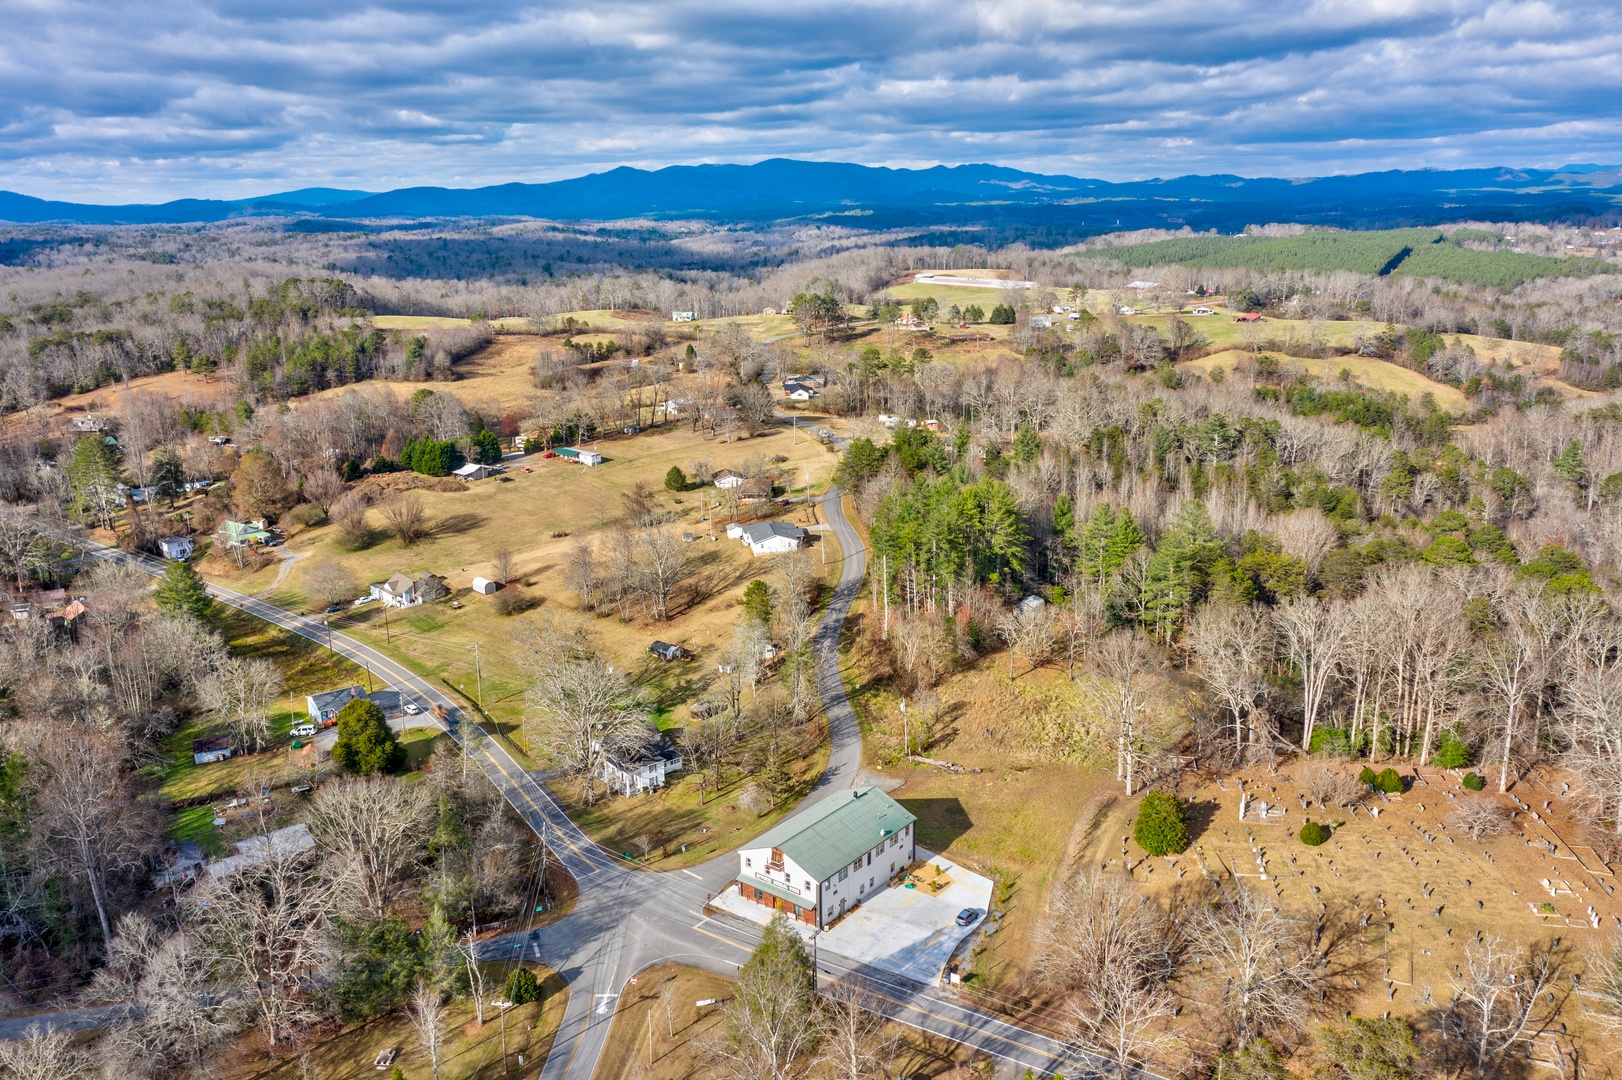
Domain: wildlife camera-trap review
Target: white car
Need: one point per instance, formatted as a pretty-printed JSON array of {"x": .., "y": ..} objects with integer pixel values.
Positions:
[
  {"x": 304, "y": 730},
  {"x": 411, "y": 708}
]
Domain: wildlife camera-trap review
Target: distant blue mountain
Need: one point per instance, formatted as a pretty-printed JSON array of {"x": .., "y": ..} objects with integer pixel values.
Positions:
[{"x": 970, "y": 197}]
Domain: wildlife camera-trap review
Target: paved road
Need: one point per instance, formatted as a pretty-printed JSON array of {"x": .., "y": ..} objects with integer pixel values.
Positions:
[{"x": 625, "y": 919}]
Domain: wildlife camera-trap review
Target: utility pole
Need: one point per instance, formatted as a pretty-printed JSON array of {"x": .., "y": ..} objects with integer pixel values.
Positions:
[{"x": 478, "y": 674}]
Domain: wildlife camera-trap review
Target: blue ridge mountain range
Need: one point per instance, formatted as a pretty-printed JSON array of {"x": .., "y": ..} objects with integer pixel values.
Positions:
[{"x": 983, "y": 196}]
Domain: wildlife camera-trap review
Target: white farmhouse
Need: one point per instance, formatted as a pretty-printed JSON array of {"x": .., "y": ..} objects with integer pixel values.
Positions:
[
  {"x": 820, "y": 863},
  {"x": 770, "y": 537}
]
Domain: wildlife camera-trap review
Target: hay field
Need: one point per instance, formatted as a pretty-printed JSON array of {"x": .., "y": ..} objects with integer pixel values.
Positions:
[{"x": 1366, "y": 371}]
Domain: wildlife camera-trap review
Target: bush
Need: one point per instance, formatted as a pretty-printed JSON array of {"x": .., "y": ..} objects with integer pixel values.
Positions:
[
  {"x": 1388, "y": 781},
  {"x": 366, "y": 744},
  {"x": 1313, "y": 834},
  {"x": 1162, "y": 825},
  {"x": 675, "y": 479},
  {"x": 1367, "y": 776},
  {"x": 523, "y": 987},
  {"x": 1452, "y": 752},
  {"x": 509, "y": 601},
  {"x": 1474, "y": 782},
  {"x": 306, "y": 515}
]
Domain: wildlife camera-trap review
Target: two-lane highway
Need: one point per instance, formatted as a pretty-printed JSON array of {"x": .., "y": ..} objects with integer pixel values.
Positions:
[{"x": 626, "y": 920}]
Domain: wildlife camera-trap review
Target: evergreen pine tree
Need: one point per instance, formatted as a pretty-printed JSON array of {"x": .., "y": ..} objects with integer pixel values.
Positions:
[{"x": 182, "y": 590}]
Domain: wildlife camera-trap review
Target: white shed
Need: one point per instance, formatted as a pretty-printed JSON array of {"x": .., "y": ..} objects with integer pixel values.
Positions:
[{"x": 484, "y": 586}]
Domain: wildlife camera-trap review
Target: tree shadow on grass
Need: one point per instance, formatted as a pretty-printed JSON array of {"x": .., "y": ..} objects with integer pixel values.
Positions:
[{"x": 456, "y": 524}]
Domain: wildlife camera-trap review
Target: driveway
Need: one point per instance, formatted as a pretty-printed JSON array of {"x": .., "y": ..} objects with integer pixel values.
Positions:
[{"x": 909, "y": 932}]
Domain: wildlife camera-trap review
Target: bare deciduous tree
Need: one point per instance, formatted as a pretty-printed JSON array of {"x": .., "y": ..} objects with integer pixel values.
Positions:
[
  {"x": 1109, "y": 947},
  {"x": 1232, "y": 647},
  {"x": 1496, "y": 1001},
  {"x": 773, "y": 1020},
  {"x": 1121, "y": 696},
  {"x": 348, "y": 514},
  {"x": 329, "y": 582},
  {"x": 370, "y": 830},
  {"x": 581, "y": 709},
  {"x": 406, "y": 515},
  {"x": 1270, "y": 974},
  {"x": 323, "y": 487},
  {"x": 501, "y": 566},
  {"x": 43, "y": 1054},
  {"x": 427, "y": 1012},
  {"x": 86, "y": 817},
  {"x": 266, "y": 929},
  {"x": 1507, "y": 665},
  {"x": 1601, "y": 988},
  {"x": 1478, "y": 818},
  {"x": 239, "y": 691},
  {"x": 1027, "y": 630},
  {"x": 1314, "y": 634},
  {"x": 664, "y": 564},
  {"x": 854, "y": 1046}
]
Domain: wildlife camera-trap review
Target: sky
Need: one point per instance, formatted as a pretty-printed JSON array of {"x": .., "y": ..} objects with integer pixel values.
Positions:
[{"x": 148, "y": 100}]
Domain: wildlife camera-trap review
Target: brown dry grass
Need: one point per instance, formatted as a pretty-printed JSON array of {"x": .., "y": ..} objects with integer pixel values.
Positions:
[
  {"x": 471, "y": 1052},
  {"x": 626, "y": 1053},
  {"x": 1365, "y": 371},
  {"x": 1407, "y": 951}
]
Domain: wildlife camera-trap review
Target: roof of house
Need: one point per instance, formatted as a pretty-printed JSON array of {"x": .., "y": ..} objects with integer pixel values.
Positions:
[
  {"x": 765, "y": 530},
  {"x": 472, "y": 468},
  {"x": 837, "y": 830},
  {"x": 397, "y": 585},
  {"x": 258, "y": 849},
  {"x": 659, "y": 748},
  {"x": 758, "y": 486},
  {"x": 210, "y": 743},
  {"x": 326, "y": 699}
]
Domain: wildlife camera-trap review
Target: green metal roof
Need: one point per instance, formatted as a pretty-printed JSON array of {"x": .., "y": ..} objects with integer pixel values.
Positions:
[{"x": 838, "y": 830}]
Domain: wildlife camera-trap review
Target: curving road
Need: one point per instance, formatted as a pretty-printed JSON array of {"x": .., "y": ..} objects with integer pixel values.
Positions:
[{"x": 625, "y": 919}]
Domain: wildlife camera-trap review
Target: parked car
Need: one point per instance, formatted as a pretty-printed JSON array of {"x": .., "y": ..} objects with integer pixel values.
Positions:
[
  {"x": 967, "y": 916},
  {"x": 411, "y": 708},
  {"x": 333, "y": 609},
  {"x": 304, "y": 731}
]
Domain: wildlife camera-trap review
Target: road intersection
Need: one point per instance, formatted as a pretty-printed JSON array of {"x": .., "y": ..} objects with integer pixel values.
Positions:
[{"x": 625, "y": 919}]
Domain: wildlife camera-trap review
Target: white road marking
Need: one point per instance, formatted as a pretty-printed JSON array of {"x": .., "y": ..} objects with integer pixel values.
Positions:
[{"x": 689, "y": 873}]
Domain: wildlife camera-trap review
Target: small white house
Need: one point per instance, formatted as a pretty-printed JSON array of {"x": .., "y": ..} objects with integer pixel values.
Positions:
[
  {"x": 771, "y": 537},
  {"x": 178, "y": 548},
  {"x": 579, "y": 456},
  {"x": 684, "y": 316},
  {"x": 802, "y": 394},
  {"x": 1041, "y": 322},
  {"x": 726, "y": 479},
  {"x": 484, "y": 586},
  {"x": 734, "y": 531},
  {"x": 1124, "y": 310},
  {"x": 1204, "y": 311},
  {"x": 472, "y": 471},
  {"x": 642, "y": 771},
  {"x": 399, "y": 591}
]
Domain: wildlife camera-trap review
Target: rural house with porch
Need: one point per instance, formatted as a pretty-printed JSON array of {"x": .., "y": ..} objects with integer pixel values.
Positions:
[{"x": 825, "y": 860}]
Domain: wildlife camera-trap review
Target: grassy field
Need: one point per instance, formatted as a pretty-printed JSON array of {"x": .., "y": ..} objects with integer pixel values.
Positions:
[
  {"x": 470, "y": 1052},
  {"x": 1365, "y": 371},
  {"x": 540, "y": 516}
]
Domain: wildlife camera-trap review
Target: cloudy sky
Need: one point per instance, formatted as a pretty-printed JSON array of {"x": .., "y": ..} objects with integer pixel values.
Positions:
[{"x": 158, "y": 99}]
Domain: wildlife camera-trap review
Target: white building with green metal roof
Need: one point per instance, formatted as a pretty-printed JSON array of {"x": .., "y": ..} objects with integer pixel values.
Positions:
[{"x": 823, "y": 861}]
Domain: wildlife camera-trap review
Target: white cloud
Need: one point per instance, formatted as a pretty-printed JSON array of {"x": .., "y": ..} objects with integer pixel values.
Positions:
[{"x": 232, "y": 98}]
